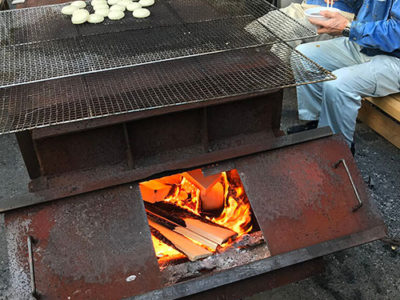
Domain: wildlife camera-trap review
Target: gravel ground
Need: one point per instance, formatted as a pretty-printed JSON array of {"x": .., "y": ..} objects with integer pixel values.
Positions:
[{"x": 370, "y": 271}]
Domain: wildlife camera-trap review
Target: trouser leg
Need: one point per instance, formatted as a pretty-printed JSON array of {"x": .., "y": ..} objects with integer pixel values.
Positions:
[
  {"x": 332, "y": 55},
  {"x": 341, "y": 99}
]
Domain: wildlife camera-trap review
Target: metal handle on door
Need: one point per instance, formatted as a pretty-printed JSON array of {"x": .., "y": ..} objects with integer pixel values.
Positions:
[
  {"x": 358, "y": 206},
  {"x": 34, "y": 293}
]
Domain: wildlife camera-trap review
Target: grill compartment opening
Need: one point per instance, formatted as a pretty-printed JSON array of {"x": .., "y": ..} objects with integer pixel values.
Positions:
[{"x": 201, "y": 224}]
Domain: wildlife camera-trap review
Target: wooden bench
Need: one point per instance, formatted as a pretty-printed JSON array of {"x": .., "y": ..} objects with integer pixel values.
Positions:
[{"x": 383, "y": 116}]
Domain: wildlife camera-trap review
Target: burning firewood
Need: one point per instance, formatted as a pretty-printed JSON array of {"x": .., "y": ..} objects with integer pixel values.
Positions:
[
  {"x": 216, "y": 234},
  {"x": 211, "y": 189},
  {"x": 186, "y": 246},
  {"x": 181, "y": 230},
  {"x": 170, "y": 180},
  {"x": 209, "y": 231},
  {"x": 154, "y": 191}
]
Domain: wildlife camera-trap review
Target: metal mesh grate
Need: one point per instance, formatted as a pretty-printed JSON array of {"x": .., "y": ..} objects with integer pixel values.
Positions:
[
  {"x": 187, "y": 51},
  {"x": 155, "y": 86},
  {"x": 40, "y": 43}
]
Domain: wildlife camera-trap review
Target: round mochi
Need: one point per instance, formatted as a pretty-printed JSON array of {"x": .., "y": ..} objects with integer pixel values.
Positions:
[
  {"x": 68, "y": 10},
  {"x": 117, "y": 7},
  {"x": 112, "y": 2},
  {"x": 80, "y": 16},
  {"x": 79, "y": 4},
  {"x": 95, "y": 18},
  {"x": 100, "y": 6},
  {"x": 94, "y": 2},
  {"x": 146, "y": 3},
  {"x": 124, "y": 2},
  {"x": 102, "y": 12},
  {"x": 141, "y": 13},
  {"x": 133, "y": 6},
  {"x": 116, "y": 15}
]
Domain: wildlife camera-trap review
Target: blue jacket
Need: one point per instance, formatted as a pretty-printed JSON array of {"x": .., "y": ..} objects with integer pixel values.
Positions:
[
  {"x": 377, "y": 27},
  {"x": 344, "y": 5}
]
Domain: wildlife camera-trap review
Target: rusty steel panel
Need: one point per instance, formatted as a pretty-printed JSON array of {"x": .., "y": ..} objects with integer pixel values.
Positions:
[
  {"x": 94, "y": 246},
  {"x": 263, "y": 282},
  {"x": 86, "y": 150},
  {"x": 88, "y": 181},
  {"x": 234, "y": 275},
  {"x": 300, "y": 199},
  {"x": 242, "y": 118}
]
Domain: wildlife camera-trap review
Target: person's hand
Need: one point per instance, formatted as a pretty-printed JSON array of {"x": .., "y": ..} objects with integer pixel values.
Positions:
[
  {"x": 330, "y": 2},
  {"x": 333, "y": 26}
]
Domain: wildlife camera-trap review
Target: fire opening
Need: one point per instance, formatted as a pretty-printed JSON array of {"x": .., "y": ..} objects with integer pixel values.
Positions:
[{"x": 192, "y": 216}]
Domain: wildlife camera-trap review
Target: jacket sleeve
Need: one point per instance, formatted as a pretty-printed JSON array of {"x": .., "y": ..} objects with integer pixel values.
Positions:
[{"x": 383, "y": 34}]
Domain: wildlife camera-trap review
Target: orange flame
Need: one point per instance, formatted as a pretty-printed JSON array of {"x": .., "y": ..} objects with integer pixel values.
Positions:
[
  {"x": 187, "y": 196},
  {"x": 164, "y": 251},
  {"x": 236, "y": 214}
]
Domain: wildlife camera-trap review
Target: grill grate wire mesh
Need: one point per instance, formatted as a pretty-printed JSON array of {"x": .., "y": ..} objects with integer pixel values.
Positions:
[{"x": 189, "y": 51}]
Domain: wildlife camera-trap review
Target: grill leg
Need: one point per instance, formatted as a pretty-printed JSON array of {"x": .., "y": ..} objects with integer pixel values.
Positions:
[{"x": 28, "y": 152}]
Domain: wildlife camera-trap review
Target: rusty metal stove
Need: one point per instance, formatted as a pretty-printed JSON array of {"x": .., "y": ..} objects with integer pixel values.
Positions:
[{"x": 88, "y": 139}]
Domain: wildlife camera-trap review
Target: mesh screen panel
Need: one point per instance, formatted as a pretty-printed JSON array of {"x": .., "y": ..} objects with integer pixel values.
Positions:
[
  {"x": 155, "y": 86},
  {"x": 53, "y": 72}
]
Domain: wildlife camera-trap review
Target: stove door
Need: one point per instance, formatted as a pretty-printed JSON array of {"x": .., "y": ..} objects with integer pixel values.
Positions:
[
  {"x": 92, "y": 246},
  {"x": 303, "y": 195}
]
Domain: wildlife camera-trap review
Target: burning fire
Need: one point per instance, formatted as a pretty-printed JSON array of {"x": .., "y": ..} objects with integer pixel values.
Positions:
[
  {"x": 187, "y": 196},
  {"x": 165, "y": 252},
  {"x": 236, "y": 214}
]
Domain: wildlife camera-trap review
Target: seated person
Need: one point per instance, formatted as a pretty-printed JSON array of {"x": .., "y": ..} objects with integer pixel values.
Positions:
[{"x": 365, "y": 60}]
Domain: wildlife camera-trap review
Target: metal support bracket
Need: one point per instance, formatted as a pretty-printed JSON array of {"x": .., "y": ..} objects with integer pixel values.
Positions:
[{"x": 359, "y": 205}]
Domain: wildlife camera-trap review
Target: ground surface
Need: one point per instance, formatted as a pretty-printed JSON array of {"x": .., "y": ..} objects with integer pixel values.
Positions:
[{"x": 370, "y": 271}]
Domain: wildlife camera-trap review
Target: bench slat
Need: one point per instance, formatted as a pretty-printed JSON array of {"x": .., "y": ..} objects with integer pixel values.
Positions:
[
  {"x": 379, "y": 122},
  {"x": 389, "y": 104}
]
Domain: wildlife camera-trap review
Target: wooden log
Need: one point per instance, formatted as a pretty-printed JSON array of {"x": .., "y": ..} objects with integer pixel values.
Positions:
[
  {"x": 164, "y": 214},
  {"x": 186, "y": 246},
  {"x": 211, "y": 190},
  {"x": 194, "y": 236},
  {"x": 182, "y": 230},
  {"x": 216, "y": 234},
  {"x": 154, "y": 191},
  {"x": 169, "y": 180},
  {"x": 204, "y": 182},
  {"x": 206, "y": 229}
]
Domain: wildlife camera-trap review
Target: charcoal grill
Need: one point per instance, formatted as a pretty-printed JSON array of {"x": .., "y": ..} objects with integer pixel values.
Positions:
[{"x": 95, "y": 112}]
